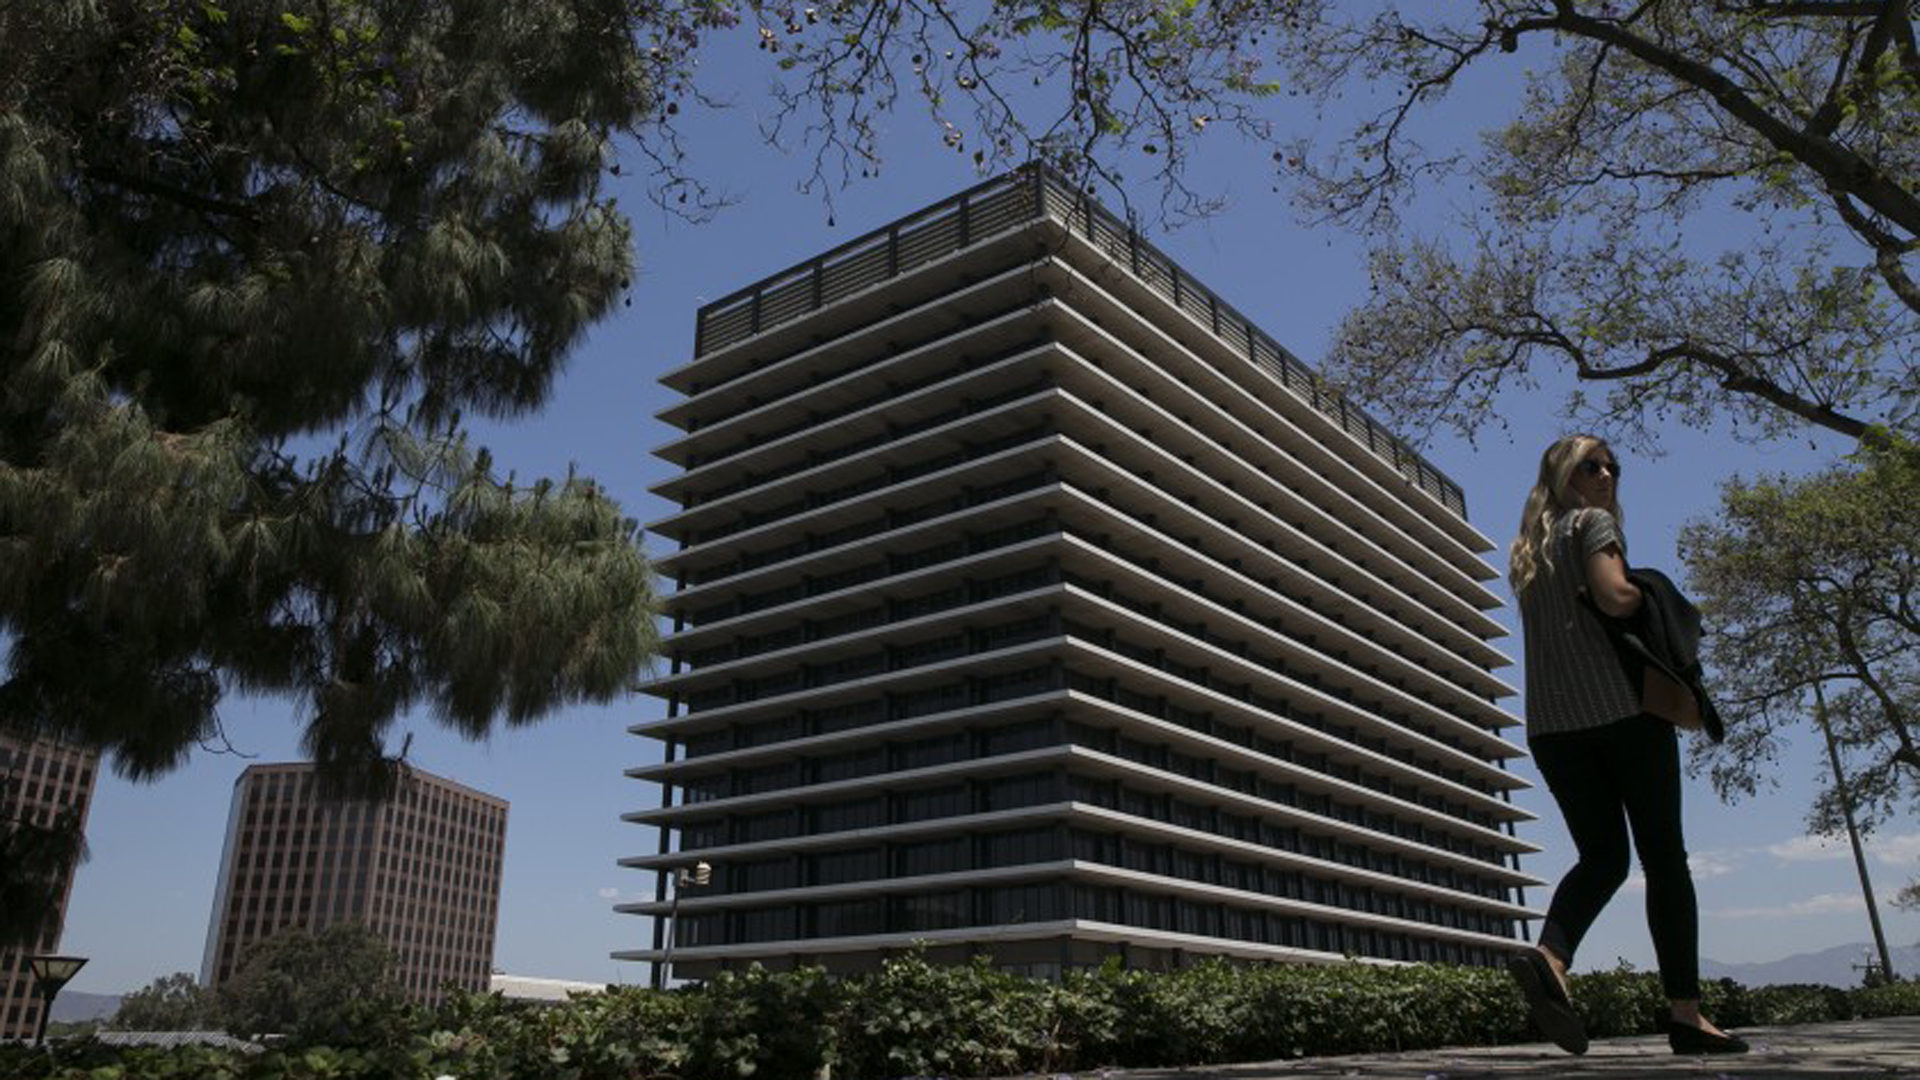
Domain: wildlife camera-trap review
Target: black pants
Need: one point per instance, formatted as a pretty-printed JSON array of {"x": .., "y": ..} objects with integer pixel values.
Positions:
[{"x": 1607, "y": 780}]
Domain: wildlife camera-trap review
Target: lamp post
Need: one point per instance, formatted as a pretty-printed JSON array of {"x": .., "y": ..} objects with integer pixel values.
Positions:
[
  {"x": 698, "y": 874},
  {"x": 51, "y": 973}
]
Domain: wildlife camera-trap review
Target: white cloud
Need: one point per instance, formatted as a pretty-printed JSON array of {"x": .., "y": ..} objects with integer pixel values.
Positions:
[
  {"x": 1822, "y": 904},
  {"x": 1809, "y": 849},
  {"x": 1828, "y": 904},
  {"x": 609, "y": 894},
  {"x": 1888, "y": 849},
  {"x": 1897, "y": 849},
  {"x": 1704, "y": 864},
  {"x": 1712, "y": 864}
]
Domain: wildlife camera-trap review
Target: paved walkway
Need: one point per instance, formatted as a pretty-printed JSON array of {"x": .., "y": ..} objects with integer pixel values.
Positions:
[{"x": 1877, "y": 1048}]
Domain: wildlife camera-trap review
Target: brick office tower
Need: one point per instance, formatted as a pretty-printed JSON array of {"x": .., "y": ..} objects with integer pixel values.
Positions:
[
  {"x": 39, "y": 781},
  {"x": 1030, "y": 600},
  {"x": 423, "y": 870}
]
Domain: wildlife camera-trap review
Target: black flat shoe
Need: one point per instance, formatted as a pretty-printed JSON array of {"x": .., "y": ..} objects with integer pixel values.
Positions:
[
  {"x": 1687, "y": 1039},
  {"x": 1547, "y": 1003}
]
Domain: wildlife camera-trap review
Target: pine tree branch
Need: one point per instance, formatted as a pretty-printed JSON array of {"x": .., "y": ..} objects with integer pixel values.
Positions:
[{"x": 109, "y": 175}]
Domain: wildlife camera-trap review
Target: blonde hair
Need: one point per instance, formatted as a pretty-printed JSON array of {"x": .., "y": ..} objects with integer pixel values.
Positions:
[{"x": 1552, "y": 496}]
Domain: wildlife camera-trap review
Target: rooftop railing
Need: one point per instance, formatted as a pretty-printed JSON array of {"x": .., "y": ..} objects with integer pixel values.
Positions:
[{"x": 1027, "y": 193}]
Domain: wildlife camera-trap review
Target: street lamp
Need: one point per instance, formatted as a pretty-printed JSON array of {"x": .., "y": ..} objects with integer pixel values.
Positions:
[
  {"x": 51, "y": 973},
  {"x": 698, "y": 874}
]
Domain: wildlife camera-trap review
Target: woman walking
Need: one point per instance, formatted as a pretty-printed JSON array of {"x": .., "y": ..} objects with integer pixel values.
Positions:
[{"x": 1612, "y": 767}]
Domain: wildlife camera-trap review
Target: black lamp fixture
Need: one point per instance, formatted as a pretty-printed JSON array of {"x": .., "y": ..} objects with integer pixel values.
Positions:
[
  {"x": 685, "y": 877},
  {"x": 51, "y": 973}
]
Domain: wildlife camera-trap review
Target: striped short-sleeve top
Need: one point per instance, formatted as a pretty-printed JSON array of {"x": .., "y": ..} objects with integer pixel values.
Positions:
[{"x": 1574, "y": 680}]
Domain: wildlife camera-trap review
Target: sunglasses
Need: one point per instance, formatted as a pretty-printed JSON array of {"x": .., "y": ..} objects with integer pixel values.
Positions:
[{"x": 1590, "y": 467}]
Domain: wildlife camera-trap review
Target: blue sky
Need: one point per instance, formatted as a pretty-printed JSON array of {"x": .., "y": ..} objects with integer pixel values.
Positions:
[{"x": 141, "y": 904}]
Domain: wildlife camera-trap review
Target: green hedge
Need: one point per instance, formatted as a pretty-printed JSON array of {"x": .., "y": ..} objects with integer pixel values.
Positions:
[{"x": 915, "y": 1019}]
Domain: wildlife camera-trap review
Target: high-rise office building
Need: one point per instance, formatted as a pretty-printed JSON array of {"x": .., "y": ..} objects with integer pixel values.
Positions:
[
  {"x": 39, "y": 782},
  {"x": 1030, "y": 600},
  {"x": 422, "y": 870}
]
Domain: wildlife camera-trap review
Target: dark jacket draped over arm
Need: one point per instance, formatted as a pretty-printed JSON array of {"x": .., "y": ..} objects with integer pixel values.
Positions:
[{"x": 1662, "y": 637}]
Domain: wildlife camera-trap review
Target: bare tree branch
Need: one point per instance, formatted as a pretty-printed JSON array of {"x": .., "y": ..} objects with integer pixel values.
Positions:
[{"x": 1838, "y": 165}]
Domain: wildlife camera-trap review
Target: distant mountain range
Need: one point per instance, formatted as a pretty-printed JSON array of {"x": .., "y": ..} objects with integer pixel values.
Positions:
[
  {"x": 72, "y": 1006},
  {"x": 1833, "y": 967}
]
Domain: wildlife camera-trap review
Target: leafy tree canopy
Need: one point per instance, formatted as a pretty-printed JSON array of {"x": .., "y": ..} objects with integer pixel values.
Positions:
[
  {"x": 1813, "y": 586},
  {"x": 1696, "y": 210},
  {"x": 257, "y": 262},
  {"x": 322, "y": 986},
  {"x": 175, "y": 1002},
  {"x": 1692, "y": 212}
]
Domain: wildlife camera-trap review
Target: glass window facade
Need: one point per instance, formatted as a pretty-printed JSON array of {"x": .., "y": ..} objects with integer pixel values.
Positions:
[
  {"x": 422, "y": 870},
  {"x": 1056, "y": 577}
]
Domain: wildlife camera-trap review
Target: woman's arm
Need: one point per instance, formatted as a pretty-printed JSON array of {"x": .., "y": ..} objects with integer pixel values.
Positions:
[{"x": 1608, "y": 585}]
